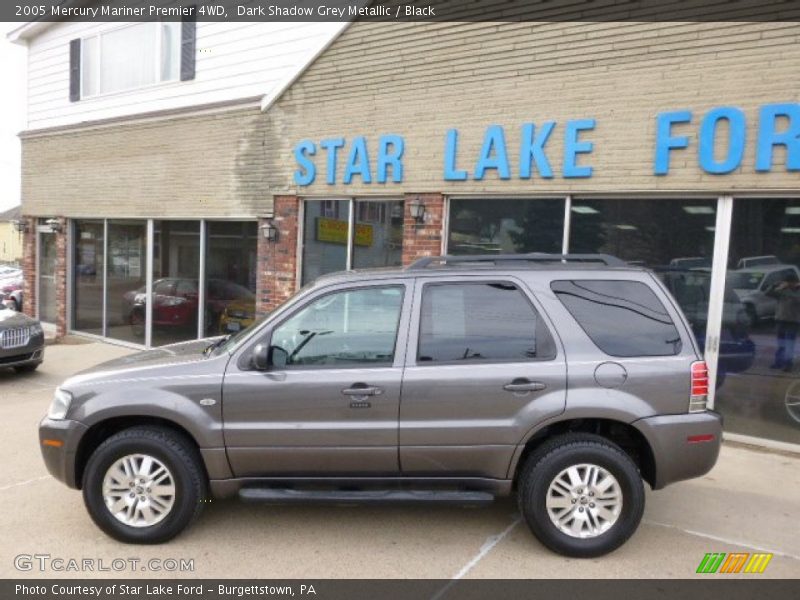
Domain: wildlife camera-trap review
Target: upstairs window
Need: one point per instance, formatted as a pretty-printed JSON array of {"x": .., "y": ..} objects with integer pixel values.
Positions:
[{"x": 131, "y": 57}]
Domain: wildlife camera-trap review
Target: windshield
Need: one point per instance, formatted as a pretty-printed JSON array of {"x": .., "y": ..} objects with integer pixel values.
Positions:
[{"x": 745, "y": 281}]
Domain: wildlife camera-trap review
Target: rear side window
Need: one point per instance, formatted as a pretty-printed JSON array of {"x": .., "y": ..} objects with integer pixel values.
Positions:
[
  {"x": 480, "y": 322},
  {"x": 623, "y": 318}
]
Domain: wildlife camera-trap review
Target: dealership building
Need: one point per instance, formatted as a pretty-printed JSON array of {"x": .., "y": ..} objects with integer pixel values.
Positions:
[{"x": 674, "y": 146}]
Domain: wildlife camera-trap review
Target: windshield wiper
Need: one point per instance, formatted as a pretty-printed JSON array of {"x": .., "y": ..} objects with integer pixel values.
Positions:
[{"x": 216, "y": 344}]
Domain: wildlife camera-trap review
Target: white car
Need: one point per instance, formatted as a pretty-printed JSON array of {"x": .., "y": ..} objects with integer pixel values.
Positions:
[{"x": 752, "y": 283}]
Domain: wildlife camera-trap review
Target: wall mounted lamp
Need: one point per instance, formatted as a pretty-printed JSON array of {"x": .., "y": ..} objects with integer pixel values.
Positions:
[
  {"x": 416, "y": 209},
  {"x": 54, "y": 225},
  {"x": 270, "y": 232}
]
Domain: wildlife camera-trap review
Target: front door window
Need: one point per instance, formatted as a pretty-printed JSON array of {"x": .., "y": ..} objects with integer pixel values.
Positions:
[{"x": 343, "y": 329}]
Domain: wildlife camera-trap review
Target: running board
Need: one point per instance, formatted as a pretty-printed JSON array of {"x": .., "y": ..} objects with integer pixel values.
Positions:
[{"x": 291, "y": 496}]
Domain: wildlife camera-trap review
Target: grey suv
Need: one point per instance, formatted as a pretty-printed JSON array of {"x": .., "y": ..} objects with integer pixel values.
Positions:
[{"x": 566, "y": 380}]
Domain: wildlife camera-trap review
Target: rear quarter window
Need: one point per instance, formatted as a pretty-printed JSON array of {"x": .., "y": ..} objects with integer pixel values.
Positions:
[{"x": 622, "y": 318}]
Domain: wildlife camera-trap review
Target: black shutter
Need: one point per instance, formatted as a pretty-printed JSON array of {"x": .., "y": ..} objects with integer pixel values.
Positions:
[
  {"x": 188, "y": 45},
  {"x": 74, "y": 70}
]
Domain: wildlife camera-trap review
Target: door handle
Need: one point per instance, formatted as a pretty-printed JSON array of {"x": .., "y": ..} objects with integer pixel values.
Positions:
[
  {"x": 523, "y": 385},
  {"x": 362, "y": 390}
]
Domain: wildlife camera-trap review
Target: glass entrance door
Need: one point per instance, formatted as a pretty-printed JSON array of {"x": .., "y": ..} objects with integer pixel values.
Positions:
[{"x": 47, "y": 277}]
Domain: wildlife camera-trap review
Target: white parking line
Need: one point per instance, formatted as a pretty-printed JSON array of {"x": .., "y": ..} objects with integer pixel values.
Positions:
[
  {"x": 487, "y": 546},
  {"x": 26, "y": 482},
  {"x": 721, "y": 539}
]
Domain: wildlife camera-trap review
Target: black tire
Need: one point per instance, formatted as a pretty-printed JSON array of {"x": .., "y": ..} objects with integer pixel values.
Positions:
[
  {"x": 177, "y": 453},
  {"x": 551, "y": 458},
  {"x": 27, "y": 368}
]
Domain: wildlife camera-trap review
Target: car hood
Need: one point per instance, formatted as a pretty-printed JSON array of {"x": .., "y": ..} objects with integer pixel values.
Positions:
[
  {"x": 157, "y": 361},
  {"x": 12, "y": 318}
]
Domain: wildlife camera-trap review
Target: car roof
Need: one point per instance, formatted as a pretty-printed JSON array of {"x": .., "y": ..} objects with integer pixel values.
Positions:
[{"x": 466, "y": 266}]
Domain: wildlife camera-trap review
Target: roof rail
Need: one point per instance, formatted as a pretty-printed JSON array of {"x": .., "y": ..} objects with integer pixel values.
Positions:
[{"x": 532, "y": 258}]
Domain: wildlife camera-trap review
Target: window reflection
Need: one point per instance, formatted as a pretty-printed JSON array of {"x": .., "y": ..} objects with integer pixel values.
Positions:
[
  {"x": 230, "y": 276},
  {"x": 378, "y": 236},
  {"x": 87, "y": 295},
  {"x": 176, "y": 297},
  {"x": 763, "y": 398},
  {"x": 495, "y": 226},
  {"x": 325, "y": 227},
  {"x": 127, "y": 250}
]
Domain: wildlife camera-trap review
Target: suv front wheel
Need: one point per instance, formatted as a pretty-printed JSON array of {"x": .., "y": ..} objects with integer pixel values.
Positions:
[
  {"x": 581, "y": 495},
  {"x": 144, "y": 485}
]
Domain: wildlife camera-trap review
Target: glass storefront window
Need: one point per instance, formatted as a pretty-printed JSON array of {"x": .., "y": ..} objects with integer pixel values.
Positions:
[
  {"x": 176, "y": 295},
  {"x": 378, "y": 236},
  {"x": 325, "y": 235},
  {"x": 87, "y": 292},
  {"x": 126, "y": 285},
  {"x": 46, "y": 293},
  {"x": 231, "y": 251},
  {"x": 759, "y": 394},
  {"x": 497, "y": 226}
]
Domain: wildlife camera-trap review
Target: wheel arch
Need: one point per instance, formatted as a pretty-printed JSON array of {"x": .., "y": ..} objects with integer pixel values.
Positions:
[
  {"x": 626, "y": 436},
  {"x": 102, "y": 430}
]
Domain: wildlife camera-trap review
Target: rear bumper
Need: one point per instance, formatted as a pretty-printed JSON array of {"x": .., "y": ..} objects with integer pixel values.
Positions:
[
  {"x": 60, "y": 459},
  {"x": 676, "y": 456}
]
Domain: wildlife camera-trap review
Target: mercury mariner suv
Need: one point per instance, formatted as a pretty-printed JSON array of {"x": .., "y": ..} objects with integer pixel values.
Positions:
[{"x": 565, "y": 380}]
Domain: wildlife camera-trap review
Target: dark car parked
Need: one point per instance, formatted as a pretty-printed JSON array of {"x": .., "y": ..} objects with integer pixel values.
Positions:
[{"x": 21, "y": 341}]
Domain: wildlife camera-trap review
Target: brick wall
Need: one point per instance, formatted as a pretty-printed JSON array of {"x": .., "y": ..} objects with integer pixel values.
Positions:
[
  {"x": 277, "y": 261},
  {"x": 29, "y": 267},
  {"x": 423, "y": 239}
]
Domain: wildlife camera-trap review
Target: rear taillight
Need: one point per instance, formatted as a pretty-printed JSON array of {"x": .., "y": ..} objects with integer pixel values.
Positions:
[{"x": 698, "y": 395}]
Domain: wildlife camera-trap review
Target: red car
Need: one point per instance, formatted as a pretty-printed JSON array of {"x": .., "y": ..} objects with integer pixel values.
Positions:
[{"x": 176, "y": 302}]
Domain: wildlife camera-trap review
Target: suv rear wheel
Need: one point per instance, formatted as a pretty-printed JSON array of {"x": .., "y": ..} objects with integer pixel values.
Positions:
[
  {"x": 144, "y": 485},
  {"x": 581, "y": 495}
]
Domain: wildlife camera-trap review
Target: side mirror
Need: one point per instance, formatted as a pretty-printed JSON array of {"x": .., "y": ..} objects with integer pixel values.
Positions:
[
  {"x": 261, "y": 357},
  {"x": 278, "y": 357}
]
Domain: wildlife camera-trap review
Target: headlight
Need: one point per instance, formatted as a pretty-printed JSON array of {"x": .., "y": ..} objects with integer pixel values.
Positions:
[
  {"x": 36, "y": 329},
  {"x": 60, "y": 405}
]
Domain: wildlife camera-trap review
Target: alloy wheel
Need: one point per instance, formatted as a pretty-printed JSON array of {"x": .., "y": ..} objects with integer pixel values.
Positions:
[
  {"x": 584, "y": 501},
  {"x": 139, "y": 490}
]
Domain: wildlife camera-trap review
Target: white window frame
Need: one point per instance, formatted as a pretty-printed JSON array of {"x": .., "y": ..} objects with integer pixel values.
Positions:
[{"x": 98, "y": 61}]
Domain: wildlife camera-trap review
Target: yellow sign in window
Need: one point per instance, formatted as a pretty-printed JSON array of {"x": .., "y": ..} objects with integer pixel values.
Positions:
[{"x": 335, "y": 232}]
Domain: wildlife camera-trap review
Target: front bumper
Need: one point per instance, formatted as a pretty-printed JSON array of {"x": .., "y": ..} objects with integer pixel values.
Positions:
[
  {"x": 60, "y": 459},
  {"x": 677, "y": 456},
  {"x": 30, "y": 353}
]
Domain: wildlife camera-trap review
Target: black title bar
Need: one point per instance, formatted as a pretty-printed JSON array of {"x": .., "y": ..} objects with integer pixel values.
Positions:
[{"x": 399, "y": 10}]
